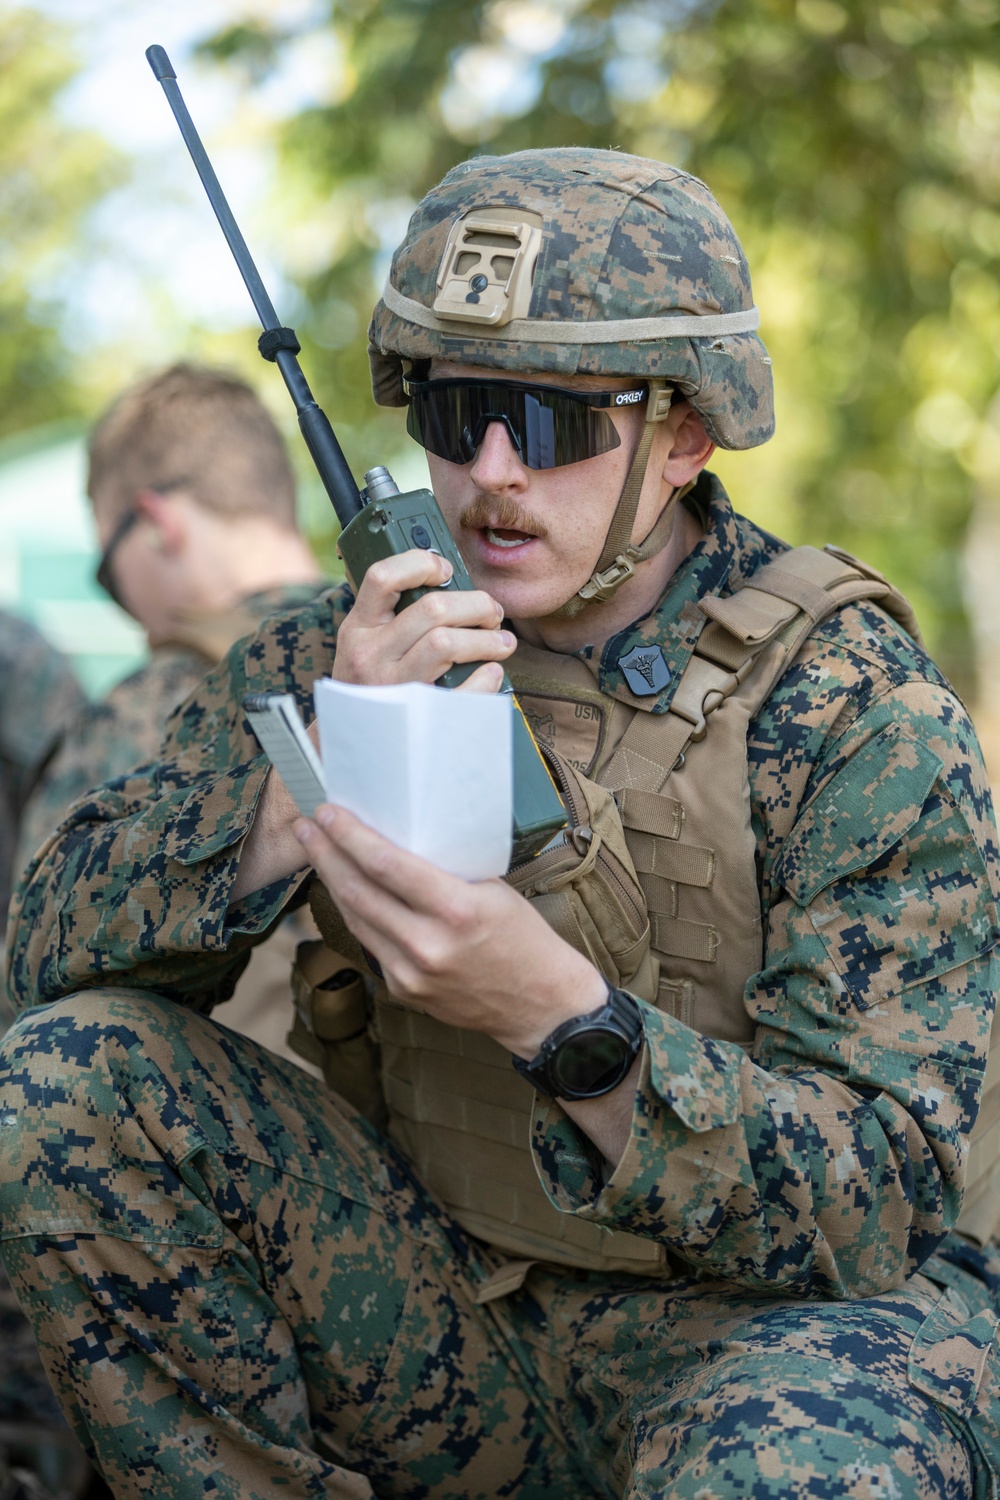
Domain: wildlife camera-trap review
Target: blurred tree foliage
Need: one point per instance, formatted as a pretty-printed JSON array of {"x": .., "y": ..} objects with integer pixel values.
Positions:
[
  {"x": 49, "y": 178},
  {"x": 853, "y": 145}
]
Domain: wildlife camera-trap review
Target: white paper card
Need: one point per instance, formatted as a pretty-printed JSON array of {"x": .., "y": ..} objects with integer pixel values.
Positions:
[{"x": 429, "y": 768}]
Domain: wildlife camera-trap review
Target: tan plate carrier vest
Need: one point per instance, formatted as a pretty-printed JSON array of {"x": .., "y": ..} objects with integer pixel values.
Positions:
[{"x": 452, "y": 1101}]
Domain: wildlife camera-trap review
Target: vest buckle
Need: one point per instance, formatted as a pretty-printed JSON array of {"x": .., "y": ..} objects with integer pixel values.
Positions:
[{"x": 695, "y": 707}]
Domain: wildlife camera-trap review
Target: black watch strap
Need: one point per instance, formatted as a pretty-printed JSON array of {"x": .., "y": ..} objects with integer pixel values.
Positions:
[{"x": 588, "y": 1055}]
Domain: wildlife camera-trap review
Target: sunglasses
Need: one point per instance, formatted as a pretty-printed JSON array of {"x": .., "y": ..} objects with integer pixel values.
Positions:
[
  {"x": 105, "y": 577},
  {"x": 548, "y": 427},
  {"x": 128, "y": 518}
]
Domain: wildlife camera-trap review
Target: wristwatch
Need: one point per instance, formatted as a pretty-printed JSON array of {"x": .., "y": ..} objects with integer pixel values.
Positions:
[{"x": 588, "y": 1055}]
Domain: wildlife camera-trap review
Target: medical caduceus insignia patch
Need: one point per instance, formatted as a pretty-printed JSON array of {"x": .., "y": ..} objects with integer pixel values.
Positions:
[{"x": 644, "y": 670}]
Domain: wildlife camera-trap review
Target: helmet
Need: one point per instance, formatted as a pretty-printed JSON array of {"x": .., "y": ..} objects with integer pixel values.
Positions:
[{"x": 579, "y": 261}]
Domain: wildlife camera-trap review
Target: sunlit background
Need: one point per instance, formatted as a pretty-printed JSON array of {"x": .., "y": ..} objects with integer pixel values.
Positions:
[{"x": 852, "y": 144}]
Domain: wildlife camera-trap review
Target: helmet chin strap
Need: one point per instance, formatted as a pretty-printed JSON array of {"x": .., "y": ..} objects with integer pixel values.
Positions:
[{"x": 619, "y": 555}]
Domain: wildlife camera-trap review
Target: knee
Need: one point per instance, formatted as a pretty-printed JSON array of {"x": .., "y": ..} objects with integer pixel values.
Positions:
[
  {"x": 96, "y": 1125},
  {"x": 72, "y": 1070},
  {"x": 812, "y": 1433},
  {"x": 49, "y": 1042}
]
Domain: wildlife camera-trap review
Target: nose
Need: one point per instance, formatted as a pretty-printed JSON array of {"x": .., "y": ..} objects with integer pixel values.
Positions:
[{"x": 496, "y": 465}]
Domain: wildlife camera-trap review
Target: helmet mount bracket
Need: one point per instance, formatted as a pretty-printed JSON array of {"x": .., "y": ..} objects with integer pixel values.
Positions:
[{"x": 488, "y": 266}]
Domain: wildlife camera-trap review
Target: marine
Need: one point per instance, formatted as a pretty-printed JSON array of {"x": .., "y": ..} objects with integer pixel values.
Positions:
[
  {"x": 736, "y": 1024},
  {"x": 194, "y": 500},
  {"x": 193, "y": 497}
]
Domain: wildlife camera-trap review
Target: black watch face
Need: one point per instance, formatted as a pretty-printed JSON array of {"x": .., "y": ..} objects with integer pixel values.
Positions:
[{"x": 583, "y": 1062}]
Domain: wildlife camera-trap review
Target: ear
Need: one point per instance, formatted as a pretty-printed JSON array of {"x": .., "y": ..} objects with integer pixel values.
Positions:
[
  {"x": 168, "y": 521},
  {"x": 690, "y": 445}
]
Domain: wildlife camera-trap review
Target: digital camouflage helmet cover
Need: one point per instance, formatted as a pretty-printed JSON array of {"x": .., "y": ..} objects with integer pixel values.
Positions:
[{"x": 577, "y": 261}]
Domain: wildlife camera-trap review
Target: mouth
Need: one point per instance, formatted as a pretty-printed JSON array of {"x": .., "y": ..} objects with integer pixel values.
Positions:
[
  {"x": 502, "y": 526},
  {"x": 503, "y": 536}
]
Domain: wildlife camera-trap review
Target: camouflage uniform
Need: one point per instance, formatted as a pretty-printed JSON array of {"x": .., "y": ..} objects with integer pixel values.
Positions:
[
  {"x": 39, "y": 695},
  {"x": 242, "y": 1290},
  {"x": 125, "y": 729}
]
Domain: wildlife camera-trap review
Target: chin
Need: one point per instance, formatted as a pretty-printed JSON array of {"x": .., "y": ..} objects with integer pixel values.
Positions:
[
  {"x": 525, "y": 603},
  {"x": 523, "y": 597}
]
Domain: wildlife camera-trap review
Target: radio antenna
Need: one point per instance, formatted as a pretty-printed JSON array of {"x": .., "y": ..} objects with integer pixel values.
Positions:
[{"x": 276, "y": 343}]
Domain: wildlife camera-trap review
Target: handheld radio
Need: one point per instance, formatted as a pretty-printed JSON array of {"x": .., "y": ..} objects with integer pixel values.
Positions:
[{"x": 377, "y": 521}]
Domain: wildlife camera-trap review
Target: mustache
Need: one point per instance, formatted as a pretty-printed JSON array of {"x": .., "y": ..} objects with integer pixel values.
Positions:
[{"x": 502, "y": 514}]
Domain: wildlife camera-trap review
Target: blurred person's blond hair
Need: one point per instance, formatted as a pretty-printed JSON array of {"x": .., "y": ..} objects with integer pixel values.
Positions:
[{"x": 194, "y": 428}]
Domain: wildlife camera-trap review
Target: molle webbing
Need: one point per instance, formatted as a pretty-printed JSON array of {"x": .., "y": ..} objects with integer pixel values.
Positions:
[
  {"x": 461, "y": 1114},
  {"x": 456, "y": 1106},
  {"x": 693, "y": 845}
]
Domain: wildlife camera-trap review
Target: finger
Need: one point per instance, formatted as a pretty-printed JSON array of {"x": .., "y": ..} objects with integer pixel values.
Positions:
[
  {"x": 485, "y": 679},
  {"x": 459, "y": 609},
  {"x": 382, "y": 922},
  {"x": 382, "y": 945},
  {"x": 442, "y": 648},
  {"x": 379, "y": 591},
  {"x": 415, "y": 883}
]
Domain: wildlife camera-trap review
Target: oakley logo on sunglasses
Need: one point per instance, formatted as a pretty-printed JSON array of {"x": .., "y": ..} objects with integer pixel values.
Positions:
[{"x": 548, "y": 427}]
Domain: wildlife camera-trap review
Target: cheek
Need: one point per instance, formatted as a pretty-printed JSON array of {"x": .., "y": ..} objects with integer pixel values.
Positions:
[
  {"x": 586, "y": 496},
  {"x": 451, "y": 485},
  {"x": 140, "y": 581}
]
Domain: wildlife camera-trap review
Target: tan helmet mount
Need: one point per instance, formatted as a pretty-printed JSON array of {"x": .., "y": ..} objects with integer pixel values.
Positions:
[{"x": 488, "y": 266}]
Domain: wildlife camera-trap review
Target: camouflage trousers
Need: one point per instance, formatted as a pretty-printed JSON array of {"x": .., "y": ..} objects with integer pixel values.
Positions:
[{"x": 240, "y": 1291}]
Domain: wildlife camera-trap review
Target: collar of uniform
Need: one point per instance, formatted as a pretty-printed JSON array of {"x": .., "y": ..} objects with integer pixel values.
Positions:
[
  {"x": 212, "y": 634},
  {"x": 284, "y": 596},
  {"x": 730, "y": 551}
]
